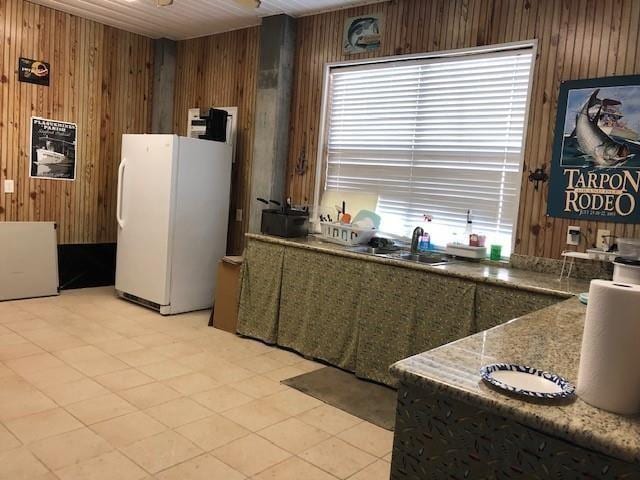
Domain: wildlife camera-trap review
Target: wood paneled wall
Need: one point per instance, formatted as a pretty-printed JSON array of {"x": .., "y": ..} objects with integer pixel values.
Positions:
[
  {"x": 577, "y": 39},
  {"x": 101, "y": 79},
  {"x": 220, "y": 70}
]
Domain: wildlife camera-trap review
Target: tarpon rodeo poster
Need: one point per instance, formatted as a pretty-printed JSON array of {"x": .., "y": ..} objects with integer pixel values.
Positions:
[
  {"x": 53, "y": 149},
  {"x": 595, "y": 169}
]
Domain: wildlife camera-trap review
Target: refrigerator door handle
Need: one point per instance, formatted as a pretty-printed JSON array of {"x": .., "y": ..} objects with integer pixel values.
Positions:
[{"x": 119, "y": 195}]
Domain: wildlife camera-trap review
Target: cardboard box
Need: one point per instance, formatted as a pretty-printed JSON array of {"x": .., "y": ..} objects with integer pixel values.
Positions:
[{"x": 225, "y": 305}]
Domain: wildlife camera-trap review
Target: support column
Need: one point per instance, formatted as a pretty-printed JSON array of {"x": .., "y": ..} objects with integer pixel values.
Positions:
[
  {"x": 164, "y": 79},
  {"x": 273, "y": 104}
]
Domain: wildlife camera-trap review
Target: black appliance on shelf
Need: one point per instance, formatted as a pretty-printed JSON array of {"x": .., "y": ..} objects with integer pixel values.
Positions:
[
  {"x": 215, "y": 122},
  {"x": 284, "y": 221}
]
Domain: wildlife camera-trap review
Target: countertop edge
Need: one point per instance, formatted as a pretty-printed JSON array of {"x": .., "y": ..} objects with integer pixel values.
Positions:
[
  {"x": 332, "y": 250},
  {"x": 585, "y": 438},
  {"x": 581, "y": 438}
]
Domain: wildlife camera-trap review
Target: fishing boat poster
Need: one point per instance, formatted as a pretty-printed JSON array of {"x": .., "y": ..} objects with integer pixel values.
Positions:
[
  {"x": 595, "y": 169},
  {"x": 52, "y": 149}
]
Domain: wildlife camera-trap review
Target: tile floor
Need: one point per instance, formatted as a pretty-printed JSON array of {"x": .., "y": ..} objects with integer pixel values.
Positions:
[{"x": 96, "y": 388}]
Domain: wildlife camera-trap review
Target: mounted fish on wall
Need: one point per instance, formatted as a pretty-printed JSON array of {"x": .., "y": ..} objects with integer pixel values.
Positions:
[
  {"x": 362, "y": 34},
  {"x": 595, "y": 169}
]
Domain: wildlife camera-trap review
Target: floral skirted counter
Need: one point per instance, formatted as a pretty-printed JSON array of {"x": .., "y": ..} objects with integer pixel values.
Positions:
[{"x": 362, "y": 313}]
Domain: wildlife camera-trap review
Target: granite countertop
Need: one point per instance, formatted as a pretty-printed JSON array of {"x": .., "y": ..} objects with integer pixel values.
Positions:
[
  {"x": 469, "y": 270},
  {"x": 548, "y": 339}
]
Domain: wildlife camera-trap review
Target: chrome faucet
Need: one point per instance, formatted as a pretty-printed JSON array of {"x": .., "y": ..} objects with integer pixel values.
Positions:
[{"x": 415, "y": 239}]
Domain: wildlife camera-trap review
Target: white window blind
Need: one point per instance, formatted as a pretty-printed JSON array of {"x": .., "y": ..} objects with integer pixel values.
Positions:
[{"x": 432, "y": 136}]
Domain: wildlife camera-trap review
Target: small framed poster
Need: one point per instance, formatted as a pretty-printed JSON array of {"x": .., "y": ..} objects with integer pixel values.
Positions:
[
  {"x": 595, "y": 168},
  {"x": 52, "y": 149},
  {"x": 362, "y": 34},
  {"x": 33, "y": 71}
]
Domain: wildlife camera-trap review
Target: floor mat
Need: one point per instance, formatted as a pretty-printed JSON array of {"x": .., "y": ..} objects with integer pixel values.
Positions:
[{"x": 366, "y": 400}]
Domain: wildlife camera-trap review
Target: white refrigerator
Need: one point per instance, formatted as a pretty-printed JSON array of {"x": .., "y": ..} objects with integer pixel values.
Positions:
[{"x": 172, "y": 212}]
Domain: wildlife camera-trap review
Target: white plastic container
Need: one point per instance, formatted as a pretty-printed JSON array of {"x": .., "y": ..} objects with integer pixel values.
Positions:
[
  {"x": 466, "y": 251},
  {"x": 597, "y": 254},
  {"x": 626, "y": 272},
  {"x": 344, "y": 234},
  {"x": 629, "y": 248}
]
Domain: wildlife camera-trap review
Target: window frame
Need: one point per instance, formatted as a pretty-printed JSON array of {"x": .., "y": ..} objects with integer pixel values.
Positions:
[{"x": 321, "y": 153}]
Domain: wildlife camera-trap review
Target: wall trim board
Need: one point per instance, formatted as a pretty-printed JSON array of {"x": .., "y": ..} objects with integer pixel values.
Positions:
[{"x": 88, "y": 265}]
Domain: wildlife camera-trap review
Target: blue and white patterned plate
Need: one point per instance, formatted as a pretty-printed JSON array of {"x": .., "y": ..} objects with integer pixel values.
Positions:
[{"x": 527, "y": 381}]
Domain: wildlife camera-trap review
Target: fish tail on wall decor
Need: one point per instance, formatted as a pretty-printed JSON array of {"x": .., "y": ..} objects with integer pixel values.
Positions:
[{"x": 595, "y": 167}]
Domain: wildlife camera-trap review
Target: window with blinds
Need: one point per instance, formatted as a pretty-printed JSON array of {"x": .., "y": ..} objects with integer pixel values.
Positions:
[{"x": 435, "y": 137}]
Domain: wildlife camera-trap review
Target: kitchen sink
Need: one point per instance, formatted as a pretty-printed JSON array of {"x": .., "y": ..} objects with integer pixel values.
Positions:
[
  {"x": 372, "y": 250},
  {"x": 430, "y": 258}
]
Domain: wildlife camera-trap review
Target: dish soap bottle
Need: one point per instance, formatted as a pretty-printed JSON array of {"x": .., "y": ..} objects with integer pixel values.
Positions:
[
  {"x": 469, "y": 230},
  {"x": 425, "y": 239},
  {"x": 425, "y": 242}
]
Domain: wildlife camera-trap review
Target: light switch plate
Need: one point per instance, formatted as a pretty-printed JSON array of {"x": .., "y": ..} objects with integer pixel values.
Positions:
[
  {"x": 573, "y": 235},
  {"x": 9, "y": 186},
  {"x": 601, "y": 241},
  {"x": 238, "y": 215}
]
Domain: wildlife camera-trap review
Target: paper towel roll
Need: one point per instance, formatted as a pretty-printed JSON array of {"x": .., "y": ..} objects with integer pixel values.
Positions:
[{"x": 609, "y": 373}]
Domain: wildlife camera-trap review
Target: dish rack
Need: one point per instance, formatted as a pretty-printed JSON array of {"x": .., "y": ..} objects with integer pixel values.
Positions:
[{"x": 345, "y": 234}]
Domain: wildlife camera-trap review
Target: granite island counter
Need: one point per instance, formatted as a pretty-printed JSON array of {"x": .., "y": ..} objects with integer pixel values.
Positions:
[
  {"x": 363, "y": 313},
  {"x": 450, "y": 424}
]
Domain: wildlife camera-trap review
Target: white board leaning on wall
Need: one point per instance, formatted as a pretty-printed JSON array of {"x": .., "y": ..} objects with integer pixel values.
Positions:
[{"x": 29, "y": 259}]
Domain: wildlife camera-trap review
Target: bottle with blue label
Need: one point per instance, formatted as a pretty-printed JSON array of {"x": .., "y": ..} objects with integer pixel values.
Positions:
[{"x": 425, "y": 242}]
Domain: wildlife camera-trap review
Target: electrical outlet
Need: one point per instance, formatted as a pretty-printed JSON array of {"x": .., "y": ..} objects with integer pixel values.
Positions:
[
  {"x": 9, "y": 186},
  {"x": 238, "y": 214},
  {"x": 573, "y": 236},
  {"x": 602, "y": 240}
]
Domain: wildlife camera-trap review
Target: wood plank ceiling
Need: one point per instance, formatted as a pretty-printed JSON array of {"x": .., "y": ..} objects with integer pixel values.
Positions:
[{"x": 189, "y": 18}]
